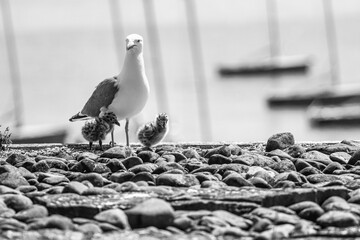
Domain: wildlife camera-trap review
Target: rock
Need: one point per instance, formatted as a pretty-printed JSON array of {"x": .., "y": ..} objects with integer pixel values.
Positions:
[
  {"x": 291, "y": 176},
  {"x": 282, "y": 231},
  {"x": 26, "y": 189},
  {"x": 321, "y": 178},
  {"x": 340, "y": 157},
  {"x": 232, "y": 219},
  {"x": 131, "y": 162},
  {"x": 298, "y": 207},
  {"x": 143, "y": 176},
  {"x": 41, "y": 166},
  {"x": 56, "y": 163},
  {"x": 234, "y": 167},
  {"x": 167, "y": 166},
  {"x": 332, "y": 167},
  {"x": 318, "y": 156},
  {"x": 12, "y": 179},
  {"x": 183, "y": 223},
  {"x": 115, "y": 165},
  {"x": 153, "y": 212},
  {"x": 177, "y": 180},
  {"x": 205, "y": 176},
  {"x": 116, "y": 217},
  {"x": 55, "y": 180},
  {"x": 301, "y": 164},
  {"x": 53, "y": 221},
  {"x": 212, "y": 184},
  {"x": 75, "y": 187},
  {"x": 274, "y": 216},
  {"x": 259, "y": 182},
  {"x": 96, "y": 179},
  {"x": 148, "y": 156},
  {"x": 87, "y": 155},
  {"x": 335, "y": 203},
  {"x": 295, "y": 150},
  {"x": 338, "y": 219},
  {"x": 98, "y": 191},
  {"x": 90, "y": 228},
  {"x": 223, "y": 150},
  {"x": 115, "y": 152},
  {"x": 35, "y": 211},
  {"x": 311, "y": 213},
  {"x": 26, "y": 173},
  {"x": 17, "y": 202},
  {"x": 309, "y": 171},
  {"x": 280, "y": 141},
  {"x": 11, "y": 224},
  {"x": 236, "y": 180},
  {"x": 284, "y": 184},
  {"x": 191, "y": 153},
  {"x": 16, "y": 158},
  {"x": 178, "y": 156},
  {"x": 146, "y": 167},
  {"x": 219, "y": 159},
  {"x": 285, "y": 165},
  {"x": 120, "y": 177},
  {"x": 354, "y": 158}
]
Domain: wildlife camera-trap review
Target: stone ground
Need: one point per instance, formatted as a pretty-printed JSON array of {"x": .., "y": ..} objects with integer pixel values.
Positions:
[{"x": 274, "y": 190}]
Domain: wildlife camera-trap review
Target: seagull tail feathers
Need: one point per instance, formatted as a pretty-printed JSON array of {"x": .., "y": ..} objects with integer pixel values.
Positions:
[{"x": 79, "y": 117}]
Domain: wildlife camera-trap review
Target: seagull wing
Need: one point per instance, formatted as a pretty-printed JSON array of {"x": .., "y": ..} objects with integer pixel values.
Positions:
[{"x": 102, "y": 97}]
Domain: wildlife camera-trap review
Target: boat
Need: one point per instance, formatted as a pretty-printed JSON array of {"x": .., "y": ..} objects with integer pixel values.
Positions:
[
  {"x": 345, "y": 113},
  {"x": 325, "y": 95},
  {"x": 275, "y": 63},
  {"x": 271, "y": 65}
]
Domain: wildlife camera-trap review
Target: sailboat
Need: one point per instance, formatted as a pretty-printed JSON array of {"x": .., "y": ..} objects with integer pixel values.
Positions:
[
  {"x": 275, "y": 63},
  {"x": 21, "y": 133},
  {"x": 333, "y": 93}
]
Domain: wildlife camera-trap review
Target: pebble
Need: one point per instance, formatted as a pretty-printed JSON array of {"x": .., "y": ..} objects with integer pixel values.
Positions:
[
  {"x": 116, "y": 217},
  {"x": 153, "y": 212},
  {"x": 280, "y": 141},
  {"x": 262, "y": 191}
]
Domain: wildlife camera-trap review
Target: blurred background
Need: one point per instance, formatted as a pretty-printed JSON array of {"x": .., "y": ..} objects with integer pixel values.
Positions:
[{"x": 224, "y": 70}]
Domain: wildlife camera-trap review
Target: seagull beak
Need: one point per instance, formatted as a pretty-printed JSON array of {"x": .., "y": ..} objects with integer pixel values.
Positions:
[{"x": 130, "y": 46}]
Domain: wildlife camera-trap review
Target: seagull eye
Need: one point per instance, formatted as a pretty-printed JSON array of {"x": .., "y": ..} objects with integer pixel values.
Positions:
[{"x": 138, "y": 40}]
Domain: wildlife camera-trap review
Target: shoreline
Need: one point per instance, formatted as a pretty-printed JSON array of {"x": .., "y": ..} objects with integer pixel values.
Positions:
[{"x": 277, "y": 189}]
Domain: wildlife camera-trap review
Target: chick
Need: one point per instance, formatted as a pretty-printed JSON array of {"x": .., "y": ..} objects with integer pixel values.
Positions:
[
  {"x": 152, "y": 133},
  {"x": 98, "y": 129}
]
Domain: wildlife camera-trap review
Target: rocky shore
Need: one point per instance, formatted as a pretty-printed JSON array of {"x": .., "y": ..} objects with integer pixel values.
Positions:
[{"x": 278, "y": 189}]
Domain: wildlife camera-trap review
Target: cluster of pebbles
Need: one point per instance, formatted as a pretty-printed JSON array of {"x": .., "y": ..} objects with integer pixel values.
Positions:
[{"x": 274, "y": 190}]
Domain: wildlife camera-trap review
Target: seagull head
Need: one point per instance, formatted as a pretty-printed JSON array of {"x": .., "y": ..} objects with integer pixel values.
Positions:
[{"x": 134, "y": 44}]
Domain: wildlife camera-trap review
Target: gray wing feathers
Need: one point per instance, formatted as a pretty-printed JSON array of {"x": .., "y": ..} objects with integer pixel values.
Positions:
[{"x": 101, "y": 97}]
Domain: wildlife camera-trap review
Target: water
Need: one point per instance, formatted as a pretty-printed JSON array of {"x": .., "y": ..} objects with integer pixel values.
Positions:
[{"x": 60, "y": 66}]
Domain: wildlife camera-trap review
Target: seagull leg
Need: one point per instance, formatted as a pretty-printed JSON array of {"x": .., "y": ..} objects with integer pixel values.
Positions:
[
  {"x": 112, "y": 138},
  {"x": 90, "y": 145},
  {"x": 100, "y": 143},
  {"x": 127, "y": 131}
]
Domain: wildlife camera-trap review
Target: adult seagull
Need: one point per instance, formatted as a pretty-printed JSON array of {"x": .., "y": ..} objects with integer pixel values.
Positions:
[{"x": 125, "y": 94}]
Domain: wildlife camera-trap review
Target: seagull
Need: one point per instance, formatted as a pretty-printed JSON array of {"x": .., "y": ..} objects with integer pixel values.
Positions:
[
  {"x": 154, "y": 132},
  {"x": 97, "y": 129},
  {"x": 126, "y": 94}
]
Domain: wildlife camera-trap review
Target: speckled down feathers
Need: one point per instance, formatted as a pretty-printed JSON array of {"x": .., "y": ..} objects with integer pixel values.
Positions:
[
  {"x": 96, "y": 130},
  {"x": 154, "y": 132}
]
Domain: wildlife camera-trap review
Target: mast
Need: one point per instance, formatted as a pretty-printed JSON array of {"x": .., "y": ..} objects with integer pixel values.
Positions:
[
  {"x": 331, "y": 42},
  {"x": 199, "y": 71},
  {"x": 157, "y": 63},
  {"x": 12, "y": 56},
  {"x": 273, "y": 28}
]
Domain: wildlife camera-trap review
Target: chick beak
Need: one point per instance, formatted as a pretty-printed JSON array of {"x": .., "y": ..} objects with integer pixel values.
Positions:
[{"x": 117, "y": 123}]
